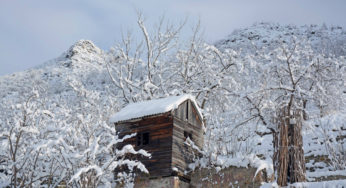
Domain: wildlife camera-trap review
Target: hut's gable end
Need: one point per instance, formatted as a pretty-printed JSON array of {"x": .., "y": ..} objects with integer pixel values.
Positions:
[{"x": 187, "y": 111}]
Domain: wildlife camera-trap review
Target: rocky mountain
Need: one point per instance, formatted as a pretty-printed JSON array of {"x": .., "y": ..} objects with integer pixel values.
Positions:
[{"x": 83, "y": 62}]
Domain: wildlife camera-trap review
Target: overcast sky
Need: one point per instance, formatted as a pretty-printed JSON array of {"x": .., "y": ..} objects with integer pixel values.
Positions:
[{"x": 32, "y": 32}]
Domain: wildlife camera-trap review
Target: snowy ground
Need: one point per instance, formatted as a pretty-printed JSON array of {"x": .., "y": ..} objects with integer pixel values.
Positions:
[{"x": 324, "y": 184}]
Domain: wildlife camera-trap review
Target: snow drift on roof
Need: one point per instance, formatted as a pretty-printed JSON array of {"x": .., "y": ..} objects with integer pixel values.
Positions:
[{"x": 151, "y": 107}]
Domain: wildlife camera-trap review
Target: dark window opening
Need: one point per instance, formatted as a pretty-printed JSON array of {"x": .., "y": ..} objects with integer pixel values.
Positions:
[
  {"x": 187, "y": 134},
  {"x": 143, "y": 139}
]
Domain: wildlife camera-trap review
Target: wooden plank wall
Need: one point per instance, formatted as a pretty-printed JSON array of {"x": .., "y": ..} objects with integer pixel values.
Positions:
[
  {"x": 182, "y": 154},
  {"x": 160, "y": 144}
]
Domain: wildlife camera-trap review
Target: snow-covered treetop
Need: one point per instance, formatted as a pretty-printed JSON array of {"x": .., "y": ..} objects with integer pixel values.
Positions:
[{"x": 151, "y": 107}]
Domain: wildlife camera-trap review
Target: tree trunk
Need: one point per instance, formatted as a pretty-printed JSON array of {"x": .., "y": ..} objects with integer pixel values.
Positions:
[
  {"x": 281, "y": 158},
  {"x": 296, "y": 152},
  {"x": 289, "y": 161}
]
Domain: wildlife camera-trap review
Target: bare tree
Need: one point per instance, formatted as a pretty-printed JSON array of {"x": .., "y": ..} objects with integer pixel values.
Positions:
[{"x": 290, "y": 82}]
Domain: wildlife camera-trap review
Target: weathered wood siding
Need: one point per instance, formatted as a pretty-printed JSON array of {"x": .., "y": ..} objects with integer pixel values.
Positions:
[
  {"x": 160, "y": 141},
  {"x": 185, "y": 119}
]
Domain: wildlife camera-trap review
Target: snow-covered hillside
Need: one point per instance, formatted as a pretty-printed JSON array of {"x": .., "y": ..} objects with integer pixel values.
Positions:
[
  {"x": 323, "y": 39},
  {"x": 63, "y": 103},
  {"x": 54, "y": 122},
  {"x": 323, "y": 135}
]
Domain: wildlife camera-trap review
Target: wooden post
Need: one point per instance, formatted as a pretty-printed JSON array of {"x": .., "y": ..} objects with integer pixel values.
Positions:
[{"x": 289, "y": 161}]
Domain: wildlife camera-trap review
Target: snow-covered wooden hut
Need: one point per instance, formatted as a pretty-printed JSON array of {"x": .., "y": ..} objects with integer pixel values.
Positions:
[{"x": 162, "y": 127}]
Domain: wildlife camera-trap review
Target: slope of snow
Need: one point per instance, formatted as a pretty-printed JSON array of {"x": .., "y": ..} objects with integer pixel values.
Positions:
[
  {"x": 271, "y": 35},
  {"x": 151, "y": 107}
]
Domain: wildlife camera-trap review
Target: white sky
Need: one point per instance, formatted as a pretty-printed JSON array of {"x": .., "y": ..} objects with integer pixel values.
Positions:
[{"x": 32, "y": 32}]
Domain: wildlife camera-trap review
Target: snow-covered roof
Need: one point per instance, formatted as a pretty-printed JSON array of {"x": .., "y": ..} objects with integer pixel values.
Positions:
[{"x": 151, "y": 107}]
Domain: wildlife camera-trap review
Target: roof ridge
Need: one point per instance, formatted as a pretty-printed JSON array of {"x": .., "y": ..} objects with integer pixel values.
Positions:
[{"x": 151, "y": 107}]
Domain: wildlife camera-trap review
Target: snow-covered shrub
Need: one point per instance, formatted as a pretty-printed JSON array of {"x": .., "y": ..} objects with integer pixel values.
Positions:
[{"x": 332, "y": 136}]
